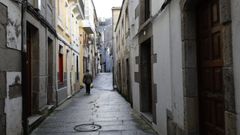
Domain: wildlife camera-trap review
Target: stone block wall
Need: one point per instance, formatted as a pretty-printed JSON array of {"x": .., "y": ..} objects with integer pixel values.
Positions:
[{"x": 10, "y": 69}]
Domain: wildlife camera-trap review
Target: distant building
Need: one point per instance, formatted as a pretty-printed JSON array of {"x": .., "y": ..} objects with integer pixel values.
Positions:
[
  {"x": 105, "y": 28},
  {"x": 115, "y": 16},
  {"x": 90, "y": 25},
  {"x": 69, "y": 15},
  {"x": 122, "y": 46}
]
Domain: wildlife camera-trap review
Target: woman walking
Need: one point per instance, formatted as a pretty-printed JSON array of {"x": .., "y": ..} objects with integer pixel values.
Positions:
[{"x": 87, "y": 79}]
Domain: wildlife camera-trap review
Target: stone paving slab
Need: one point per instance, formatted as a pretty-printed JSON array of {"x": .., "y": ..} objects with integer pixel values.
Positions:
[{"x": 104, "y": 107}]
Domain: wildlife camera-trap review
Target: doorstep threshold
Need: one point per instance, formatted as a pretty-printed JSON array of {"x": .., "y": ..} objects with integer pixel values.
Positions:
[
  {"x": 33, "y": 119},
  {"x": 147, "y": 116},
  {"x": 50, "y": 107}
]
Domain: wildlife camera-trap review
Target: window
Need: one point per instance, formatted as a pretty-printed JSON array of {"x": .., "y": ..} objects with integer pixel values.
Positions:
[
  {"x": 67, "y": 16},
  {"x": 73, "y": 60},
  {"x": 122, "y": 23},
  {"x": 72, "y": 26},
  {"x": 127, "y": 22},
  {"x": 147, "y": 9},
  {"x": 58, "y": 7},
  {"x": 60, "y": 66},
  {"x": 77, "y": 66}
]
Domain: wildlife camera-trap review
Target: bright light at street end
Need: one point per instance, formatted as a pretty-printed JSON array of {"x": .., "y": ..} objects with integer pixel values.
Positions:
[{"x": 104, "y": 9}]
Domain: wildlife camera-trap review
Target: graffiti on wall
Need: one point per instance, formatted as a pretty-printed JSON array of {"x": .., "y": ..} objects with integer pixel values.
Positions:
[
  {"x": 13, "y": 103},
  {"x": 15, "y": 88},
  {"x": 14, "y": 29}
]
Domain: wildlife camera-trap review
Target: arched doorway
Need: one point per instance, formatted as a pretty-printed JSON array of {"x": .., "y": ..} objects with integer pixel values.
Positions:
[{"x": 208, "y": 68}]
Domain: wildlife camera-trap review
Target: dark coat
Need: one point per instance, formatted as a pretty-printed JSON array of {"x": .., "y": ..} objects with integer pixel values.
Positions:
[{"x": 87, "y": 79}]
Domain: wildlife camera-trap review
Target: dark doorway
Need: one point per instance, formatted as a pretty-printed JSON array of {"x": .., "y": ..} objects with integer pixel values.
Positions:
[
  {"x": 32, "y": 63},
  {"x": 210, "y": 65},
  {"x": 128, "y": 82},
  {"x": 77, "y": 66},
  {"x": 119, "y": 77},
  {"x": 50, "y": 72},
  {"x": 146, "y": 77},
  {"x": 28, "y": 72},
  {"x": 3, "y": 47},
  {"x": 60, "y": 68},
  {"x": 147, "y": 5},
  {"x": 84, "y": 64}
]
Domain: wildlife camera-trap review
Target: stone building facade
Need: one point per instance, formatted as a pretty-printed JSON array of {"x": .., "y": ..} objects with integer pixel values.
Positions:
[
  {"x": 83, "y": 55},
  {"x": 122, "y": 33},
  {"x": 115, "y": 15},
  {"x": 42, "y": 62},
  {"x": 69, "y": 15},
  {"x": 10, "y": 68},
  {"x": 183, "y": 65},
  {"x": 39, "y": 63},
  {"x": 105, "y": 29},
  {"x": 90, "y": 25},
  {"x": 89, "y": 54},
  {"x": 27, "y": 64}
]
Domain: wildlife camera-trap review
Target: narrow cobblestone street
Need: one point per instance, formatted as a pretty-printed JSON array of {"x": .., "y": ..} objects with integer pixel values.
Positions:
[{"x": 104, "y": 107}]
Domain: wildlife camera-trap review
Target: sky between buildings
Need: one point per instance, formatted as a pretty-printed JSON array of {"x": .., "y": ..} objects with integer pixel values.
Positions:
[{"x": 104, "y": 7}]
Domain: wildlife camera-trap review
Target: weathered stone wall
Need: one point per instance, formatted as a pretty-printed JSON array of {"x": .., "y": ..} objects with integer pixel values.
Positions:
[
  {"x": 122, "y": 45},
  {"x": 13, "y": 103},
  {"x": 51, "y": 68},
  {"x": 10, "y": 68},
  {"x": 134, "y": 12},
  {"x": 2, "y": 102},
  {"x": 115, "y": 14},
  {"x": 14, "y": 27},
  {"x": 189, "y": 46},
  {"x": 40, "y": 48}
]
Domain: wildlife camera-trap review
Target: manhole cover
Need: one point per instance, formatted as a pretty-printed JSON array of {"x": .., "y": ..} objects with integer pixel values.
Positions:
[{"x": 87, "y": 127}]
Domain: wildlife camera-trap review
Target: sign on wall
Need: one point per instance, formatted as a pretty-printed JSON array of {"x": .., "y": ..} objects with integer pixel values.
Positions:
[{"x": 14, "y": 27}]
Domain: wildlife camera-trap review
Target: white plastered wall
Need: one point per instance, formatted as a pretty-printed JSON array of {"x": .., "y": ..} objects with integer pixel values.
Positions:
[
  {"x": 235, "y": 4},
  {"x": 168, "y": 70}
]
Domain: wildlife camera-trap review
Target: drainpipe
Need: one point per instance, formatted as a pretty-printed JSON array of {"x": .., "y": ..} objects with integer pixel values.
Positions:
[{"x": 24, "y": 77}]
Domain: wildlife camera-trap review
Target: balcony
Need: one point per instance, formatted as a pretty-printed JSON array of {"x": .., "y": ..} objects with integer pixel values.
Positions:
[
  {"x": 87, "y": 26},
  {"x": 78, "y": 8}
]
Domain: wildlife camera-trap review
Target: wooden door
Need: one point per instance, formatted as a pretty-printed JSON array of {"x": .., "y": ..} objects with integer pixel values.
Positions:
[
  {"x": 84, "y": 65},
  {"x": 50, "y": 71},
  {"x": 29, "y": 75},
  {"x": 120, "y": 77},
  {"x": 210, "y": 64},
  {"x": 128, "y": 82},
  {"x": 60, "y": 61},
  {"x": 146, "y": 77}
]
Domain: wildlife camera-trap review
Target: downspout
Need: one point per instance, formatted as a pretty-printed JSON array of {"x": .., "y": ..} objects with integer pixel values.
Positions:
[{"x": 24, "y": 78}]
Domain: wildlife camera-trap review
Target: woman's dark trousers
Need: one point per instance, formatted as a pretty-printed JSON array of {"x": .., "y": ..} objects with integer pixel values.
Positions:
[{"x": 88, "y": 88}]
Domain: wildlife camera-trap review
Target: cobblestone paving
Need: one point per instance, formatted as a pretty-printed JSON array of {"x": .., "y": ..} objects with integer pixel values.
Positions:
[{"x": 104, "y": 107}]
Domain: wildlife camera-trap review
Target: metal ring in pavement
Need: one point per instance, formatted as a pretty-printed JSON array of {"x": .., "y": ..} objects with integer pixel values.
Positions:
[{"x": 87, "y": 127}]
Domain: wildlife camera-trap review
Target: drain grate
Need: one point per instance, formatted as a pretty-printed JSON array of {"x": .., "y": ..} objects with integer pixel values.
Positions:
[{"x": 87, "y": 127}]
